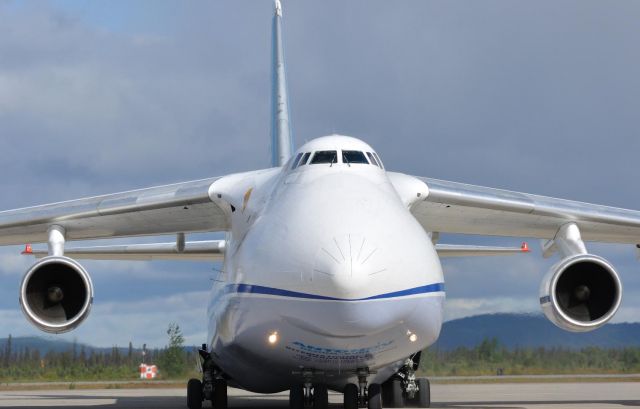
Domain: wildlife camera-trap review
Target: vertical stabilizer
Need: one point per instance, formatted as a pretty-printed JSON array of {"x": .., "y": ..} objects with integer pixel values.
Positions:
[{"x": 281, "y": 136}]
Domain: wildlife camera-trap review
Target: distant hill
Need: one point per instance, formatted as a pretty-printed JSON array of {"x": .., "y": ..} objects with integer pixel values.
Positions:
[
  {"x": 532, "y": 331},
  {"x": 510, "y": 329}
]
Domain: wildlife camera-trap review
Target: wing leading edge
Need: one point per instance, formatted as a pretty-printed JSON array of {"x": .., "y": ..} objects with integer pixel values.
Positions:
[
  {"x": 452, "y": 207},
  {"x": 177, "y": 208}
]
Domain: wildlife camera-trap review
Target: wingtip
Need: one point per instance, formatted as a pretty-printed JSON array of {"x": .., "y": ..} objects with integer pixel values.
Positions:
[
  {"x": 278, "y": 8},
  {"x": 28, "y": 250},
  {"x": 525, "y": 247}
]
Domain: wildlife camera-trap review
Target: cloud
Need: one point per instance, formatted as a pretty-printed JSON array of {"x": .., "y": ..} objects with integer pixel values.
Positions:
[
  {"x": 461, "y": 307},
  {"x": 12, "y": 264},
  {"x": 146, "y": 320},
  {"x": 538, "y": 98},
  {"x": 142, "y": 321}
]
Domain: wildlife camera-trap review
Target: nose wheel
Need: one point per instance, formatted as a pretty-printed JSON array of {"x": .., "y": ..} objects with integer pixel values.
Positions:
[
  {"x": 315, "y": 396},
  {"x": 351, "y": 399},
  {"x": 363, "y": 395}
]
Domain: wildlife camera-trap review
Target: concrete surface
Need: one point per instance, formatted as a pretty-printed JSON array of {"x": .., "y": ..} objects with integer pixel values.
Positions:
[{"x": 514, "y": 395}]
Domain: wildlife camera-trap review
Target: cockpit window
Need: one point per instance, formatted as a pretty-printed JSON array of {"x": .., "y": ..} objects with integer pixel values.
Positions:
[
  {"x": 378, "y": 158},
  {"x": 305, "y": 158},
  {"x": 295, "y": 161},
  {"x": 354, "y": 157},
  {"x": 324, "y": 157},
  {"x": 372, "y": 159}
]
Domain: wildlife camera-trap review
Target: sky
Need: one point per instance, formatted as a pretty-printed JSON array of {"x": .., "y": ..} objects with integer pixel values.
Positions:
[{"x": 98, "y": 97}]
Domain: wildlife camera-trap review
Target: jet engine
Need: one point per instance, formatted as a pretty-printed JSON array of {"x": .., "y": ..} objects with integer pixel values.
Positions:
[
  {"x": 581, "y": 293},
  {"x": 56, "y": 294}
]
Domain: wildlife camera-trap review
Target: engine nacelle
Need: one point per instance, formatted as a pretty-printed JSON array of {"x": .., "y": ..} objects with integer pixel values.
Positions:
[
  {"x": 581, "y": 293},
  {"x": 56, "y": 294}
]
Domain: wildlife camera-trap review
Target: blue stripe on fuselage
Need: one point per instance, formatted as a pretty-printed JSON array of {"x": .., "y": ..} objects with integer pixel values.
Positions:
[{"x": 258, "y": 289}]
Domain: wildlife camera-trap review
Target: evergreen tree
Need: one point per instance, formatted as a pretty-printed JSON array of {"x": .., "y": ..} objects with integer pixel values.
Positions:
[
  {"x": 7, "y": 352},
  {"x": 172, "y": 360},
  {"x": 83, "y": 355}
]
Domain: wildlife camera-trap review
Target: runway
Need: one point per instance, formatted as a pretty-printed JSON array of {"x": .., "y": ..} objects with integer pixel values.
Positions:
[{"x": 485, "y": 396}]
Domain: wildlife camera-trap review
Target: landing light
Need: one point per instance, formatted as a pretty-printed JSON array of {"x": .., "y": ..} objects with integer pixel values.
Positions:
[
  {"x": 412, "y": 337},
  {"x": 273, "y": 337}
]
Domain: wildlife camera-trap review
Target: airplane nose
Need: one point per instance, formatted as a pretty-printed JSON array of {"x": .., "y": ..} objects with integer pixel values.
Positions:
[
  {"x": 345, "y": 271},
  {"x": 367, "y": 258},
  {"x": 344, "y": 265}
]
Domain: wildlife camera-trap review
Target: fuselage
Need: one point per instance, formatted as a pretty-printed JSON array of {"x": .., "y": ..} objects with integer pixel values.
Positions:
[{"x": 325, "y": 269}]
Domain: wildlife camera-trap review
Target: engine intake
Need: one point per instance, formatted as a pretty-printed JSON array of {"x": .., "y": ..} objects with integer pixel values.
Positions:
[
  {"x": 56, "y": 294},
  {"x": 581, "y": 293}
]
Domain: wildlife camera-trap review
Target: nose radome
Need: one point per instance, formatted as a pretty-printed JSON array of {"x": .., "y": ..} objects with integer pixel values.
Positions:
[{"x": 345, "y": 264}]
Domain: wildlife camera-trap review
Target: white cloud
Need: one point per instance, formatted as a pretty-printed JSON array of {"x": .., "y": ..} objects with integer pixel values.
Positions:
[
  {"x": 12, "y": 264},
  {"x": 146, "y": 320},
  {"x": 87, "y": 111},
  {"x": 460, "y": 308},
  {"x": 139, "y": 321}
]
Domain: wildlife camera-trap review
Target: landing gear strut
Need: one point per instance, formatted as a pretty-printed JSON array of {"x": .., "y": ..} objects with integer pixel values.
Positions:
[
  {"x": 404, "y": 388},
  {"x": 310, "y": 393},
  {"x": 363, "y": 395},
  {"x": 213, "y": 386}
]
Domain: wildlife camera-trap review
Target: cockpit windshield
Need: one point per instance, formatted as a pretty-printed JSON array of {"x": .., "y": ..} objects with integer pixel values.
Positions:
[
  {"x": 296, "y": 160},
  {"x": 347, "y": 157},
  {"x": 304, "y": 159},
  {"x": 354, "y": 157},
  {"x": 324, "y": 157}
]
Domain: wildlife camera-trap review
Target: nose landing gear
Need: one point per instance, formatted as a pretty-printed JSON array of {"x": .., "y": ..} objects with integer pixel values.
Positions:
[
  {"x": 309, "y": 393},
  {"x": 363, "y": 395},
  {"x": 405, "y": 389},
  {"x": 213, "y": 386}
]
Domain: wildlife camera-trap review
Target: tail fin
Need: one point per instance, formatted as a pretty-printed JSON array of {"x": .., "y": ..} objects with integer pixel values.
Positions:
[{"x": 281, "y": 136}]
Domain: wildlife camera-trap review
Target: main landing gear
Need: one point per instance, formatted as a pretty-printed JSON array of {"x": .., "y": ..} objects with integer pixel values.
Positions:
[
  {"x": 314, "y": 394},
  {"x": 213, "y": 386},
  {"x": 404, "y": 389}
]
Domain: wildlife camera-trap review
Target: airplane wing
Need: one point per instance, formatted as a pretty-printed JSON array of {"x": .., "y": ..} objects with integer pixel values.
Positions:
[
  {"x": 452, "y": 207},
  {"x": 177, "y": 208}
]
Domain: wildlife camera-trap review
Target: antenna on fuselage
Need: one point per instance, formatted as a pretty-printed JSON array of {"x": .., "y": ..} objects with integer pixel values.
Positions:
[{"x": 281, "y": 135}]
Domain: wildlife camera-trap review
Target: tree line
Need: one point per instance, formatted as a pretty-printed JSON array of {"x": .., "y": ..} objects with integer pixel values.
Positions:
[
  {"x": 491, "y": 358},
  {"x": 80, "y": 363},
  {"x": 177, "y": 362}
]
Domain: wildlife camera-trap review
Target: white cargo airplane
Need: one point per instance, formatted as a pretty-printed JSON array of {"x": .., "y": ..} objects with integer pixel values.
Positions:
[{"x": 331, "y": 277}]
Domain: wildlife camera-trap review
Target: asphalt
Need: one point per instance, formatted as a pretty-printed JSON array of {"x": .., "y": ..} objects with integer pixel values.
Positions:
[{"x": 485, "y": 396}]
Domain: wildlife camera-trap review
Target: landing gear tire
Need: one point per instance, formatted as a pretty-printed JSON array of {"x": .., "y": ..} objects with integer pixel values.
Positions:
[
  {"x": 375, "y": 396},
  {"x": 392, "y": 394},
  {"x": 296, "y": 397},
  {"x": 351, "y": 396},
  {"x": 320, "y": 396},
  {"x": 219, "y": 400},
  {"x": 424, "y": 393},
  {"x": 194, "y": 394}
]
